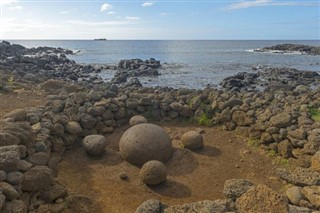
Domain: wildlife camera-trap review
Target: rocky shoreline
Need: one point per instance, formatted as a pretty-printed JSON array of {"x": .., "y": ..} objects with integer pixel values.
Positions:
[
  {"x": 277, "y": 109},
  {"x": 291, "y": 48}
]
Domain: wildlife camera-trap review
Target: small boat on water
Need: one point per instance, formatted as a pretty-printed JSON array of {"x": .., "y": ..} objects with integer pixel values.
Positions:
[{"x": 100, "y": 39}]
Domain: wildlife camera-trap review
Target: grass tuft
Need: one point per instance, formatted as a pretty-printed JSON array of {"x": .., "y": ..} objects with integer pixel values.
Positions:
[{"x": 315, "y": 113}]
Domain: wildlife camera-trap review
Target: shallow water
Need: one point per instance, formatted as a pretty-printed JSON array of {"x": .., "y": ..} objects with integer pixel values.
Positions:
[{"x": 192, "y": 64}]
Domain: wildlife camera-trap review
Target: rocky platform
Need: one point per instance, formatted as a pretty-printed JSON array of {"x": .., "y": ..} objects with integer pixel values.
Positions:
[{"x": 291, "y": 48}]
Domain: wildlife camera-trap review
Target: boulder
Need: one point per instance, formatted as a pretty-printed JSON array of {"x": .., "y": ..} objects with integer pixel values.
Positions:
[
  {"x": 9, "y": 191},
  {"x": 241, "y": 118},
  {"x": 15, "y": 206},
  {"x": 56, "y": 191},
  {"x": 153, "y": 172},
  {"x": 232, "y": 102},
  {"x": 137, "y": 119},
  {"x": 7, "y": 139},
  {"x": 38, "y": 158},
  {"x": 94, "y": 144},
  {"x": 234, "y": 188},
  {"x": 17, "y": 115},
  {"x": 144, "y": 142},
  {"x": 205, "y": 206},
  {"x": 281, "y": 120},
  {"x": 37, "y": 178},
  {"x": 285, "y": 149},
  {"x": 150, "y": 206},
  {"x": 9, "y": 158},
  {"x": 315, "y": 162},
  {"x": 14, "y": 178},
  {"x": 300, "y": 176},
  {"x": 192, "y": 140},
  {"x": 312, "y": 193},
  {"x": 294, "y": 194},
  {"x": 73, "y": 128},
  {"x": 261, "y": 199}
]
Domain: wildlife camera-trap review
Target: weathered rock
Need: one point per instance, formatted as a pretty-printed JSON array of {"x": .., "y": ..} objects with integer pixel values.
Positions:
[
  {"x": 73, "y": 128},
  {"x": 16, "y": 206},
  {"x": 2, "y": 200},
  {"x": 38, "y": 158},
  {"x": 37, "y": 178},
  {"x": 315, "y": 162},
  {"x": 7, "y": 139},
  {"x": 150, "y": 206},
  {"x": 192, "y": 140},
  {"x": 17, "y": 115},
  {"x": 94, "y": 144},
  {"x": 3, "y": 175},
  {"x": 300, "y": 176},
  {"x": 285, "y": 149},
  {"x": 261, "y": 199},
  {"x": 137, "y": 119},
  {"x": 294, "y": 194},
  {"x": 144, "y": 142},
  {"x": 241, "y": 118},
  {"x": 14, "y": 178},
  {"x": 312, "y": 193},
  {"x": 234, "y": 188},
  {"x": 298, "y": 209},
  {"x": 281, "y": 120},
  {"x": 55, "y": 192},
  {"x": 232, "y": 102},
  {"x": 9, "y": 158},
  {"x": 9, "y": 191},
  {"x": 206, "y": 206},
  {"x": 153, "y": 172}
]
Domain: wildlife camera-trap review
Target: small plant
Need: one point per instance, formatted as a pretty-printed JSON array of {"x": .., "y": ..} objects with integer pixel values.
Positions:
[
  {"x": 203, "y": 120},
  {"x": 254, "y": 142},
  {"x": 272, "y": 153},
  {"x": 315, "y": 113},
  {"x": 280, "y": 161}
]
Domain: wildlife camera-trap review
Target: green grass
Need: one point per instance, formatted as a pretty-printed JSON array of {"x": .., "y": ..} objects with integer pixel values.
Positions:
[
  {"x": 272, "y": 153},
  {"x": 203, "y": 120},
  {"x": 315, "y": 113},
  {"x": 280, "y": 161},
  {"x": 254, "y": 142}
]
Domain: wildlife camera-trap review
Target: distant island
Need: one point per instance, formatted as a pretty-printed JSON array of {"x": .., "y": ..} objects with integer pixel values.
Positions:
[{"x": 100, "y": 39}]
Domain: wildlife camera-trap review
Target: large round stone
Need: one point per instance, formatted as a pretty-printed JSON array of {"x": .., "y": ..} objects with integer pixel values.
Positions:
[
  {"x": 137, "y": 119},
  {"x": 153, "y": 172},
  {"x": 94, "y": 144},
  {"x": 144, "y": 142},
  {"x": 192, "y": 140}
]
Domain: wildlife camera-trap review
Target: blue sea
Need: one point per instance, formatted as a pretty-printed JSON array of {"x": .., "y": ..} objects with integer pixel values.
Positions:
[{"x": 192, "y": 64}]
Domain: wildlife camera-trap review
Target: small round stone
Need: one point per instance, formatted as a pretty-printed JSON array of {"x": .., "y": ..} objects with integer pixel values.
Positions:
[
  {"x": 192, "y": 140},
  {"x": 123, "y": 176},
  {"x": 94, "y": 144},
  {"x": 153, "y": 172},
  {"x": 137, "y": 119}
]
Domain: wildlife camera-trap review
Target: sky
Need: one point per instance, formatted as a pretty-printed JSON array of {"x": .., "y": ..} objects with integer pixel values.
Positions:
[{"x": 160, "y": 19}]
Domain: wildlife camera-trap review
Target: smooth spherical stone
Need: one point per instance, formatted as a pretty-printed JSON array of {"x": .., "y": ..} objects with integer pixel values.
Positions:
[
  {"x": 144, "y": 142},
  {"x": 94, "y": 144},
  {"x": 153, "y": 172},
  {"x": 137, "y": 119},
  {"x": 192, "y": 140}
]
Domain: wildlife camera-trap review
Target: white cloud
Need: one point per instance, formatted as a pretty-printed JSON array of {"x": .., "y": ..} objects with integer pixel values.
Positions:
[
  {"x": 111, "y": 13},
  {"x": 6, "y": 2},
  {"x": 147, "y": 4},
  {"x": 65, "y": 12},
  {"x": 103, "y": 23},
  {"x": 18, "y": 7},
  {"x": 105, "y": 7},
  {"x": 264, "y": 3},
  {"x": 166, "y": 14},
  {"x": 133, "y": 18}
]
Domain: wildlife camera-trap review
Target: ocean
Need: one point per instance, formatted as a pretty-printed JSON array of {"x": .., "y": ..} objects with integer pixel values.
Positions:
[{"x": 192, "y": 64}]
